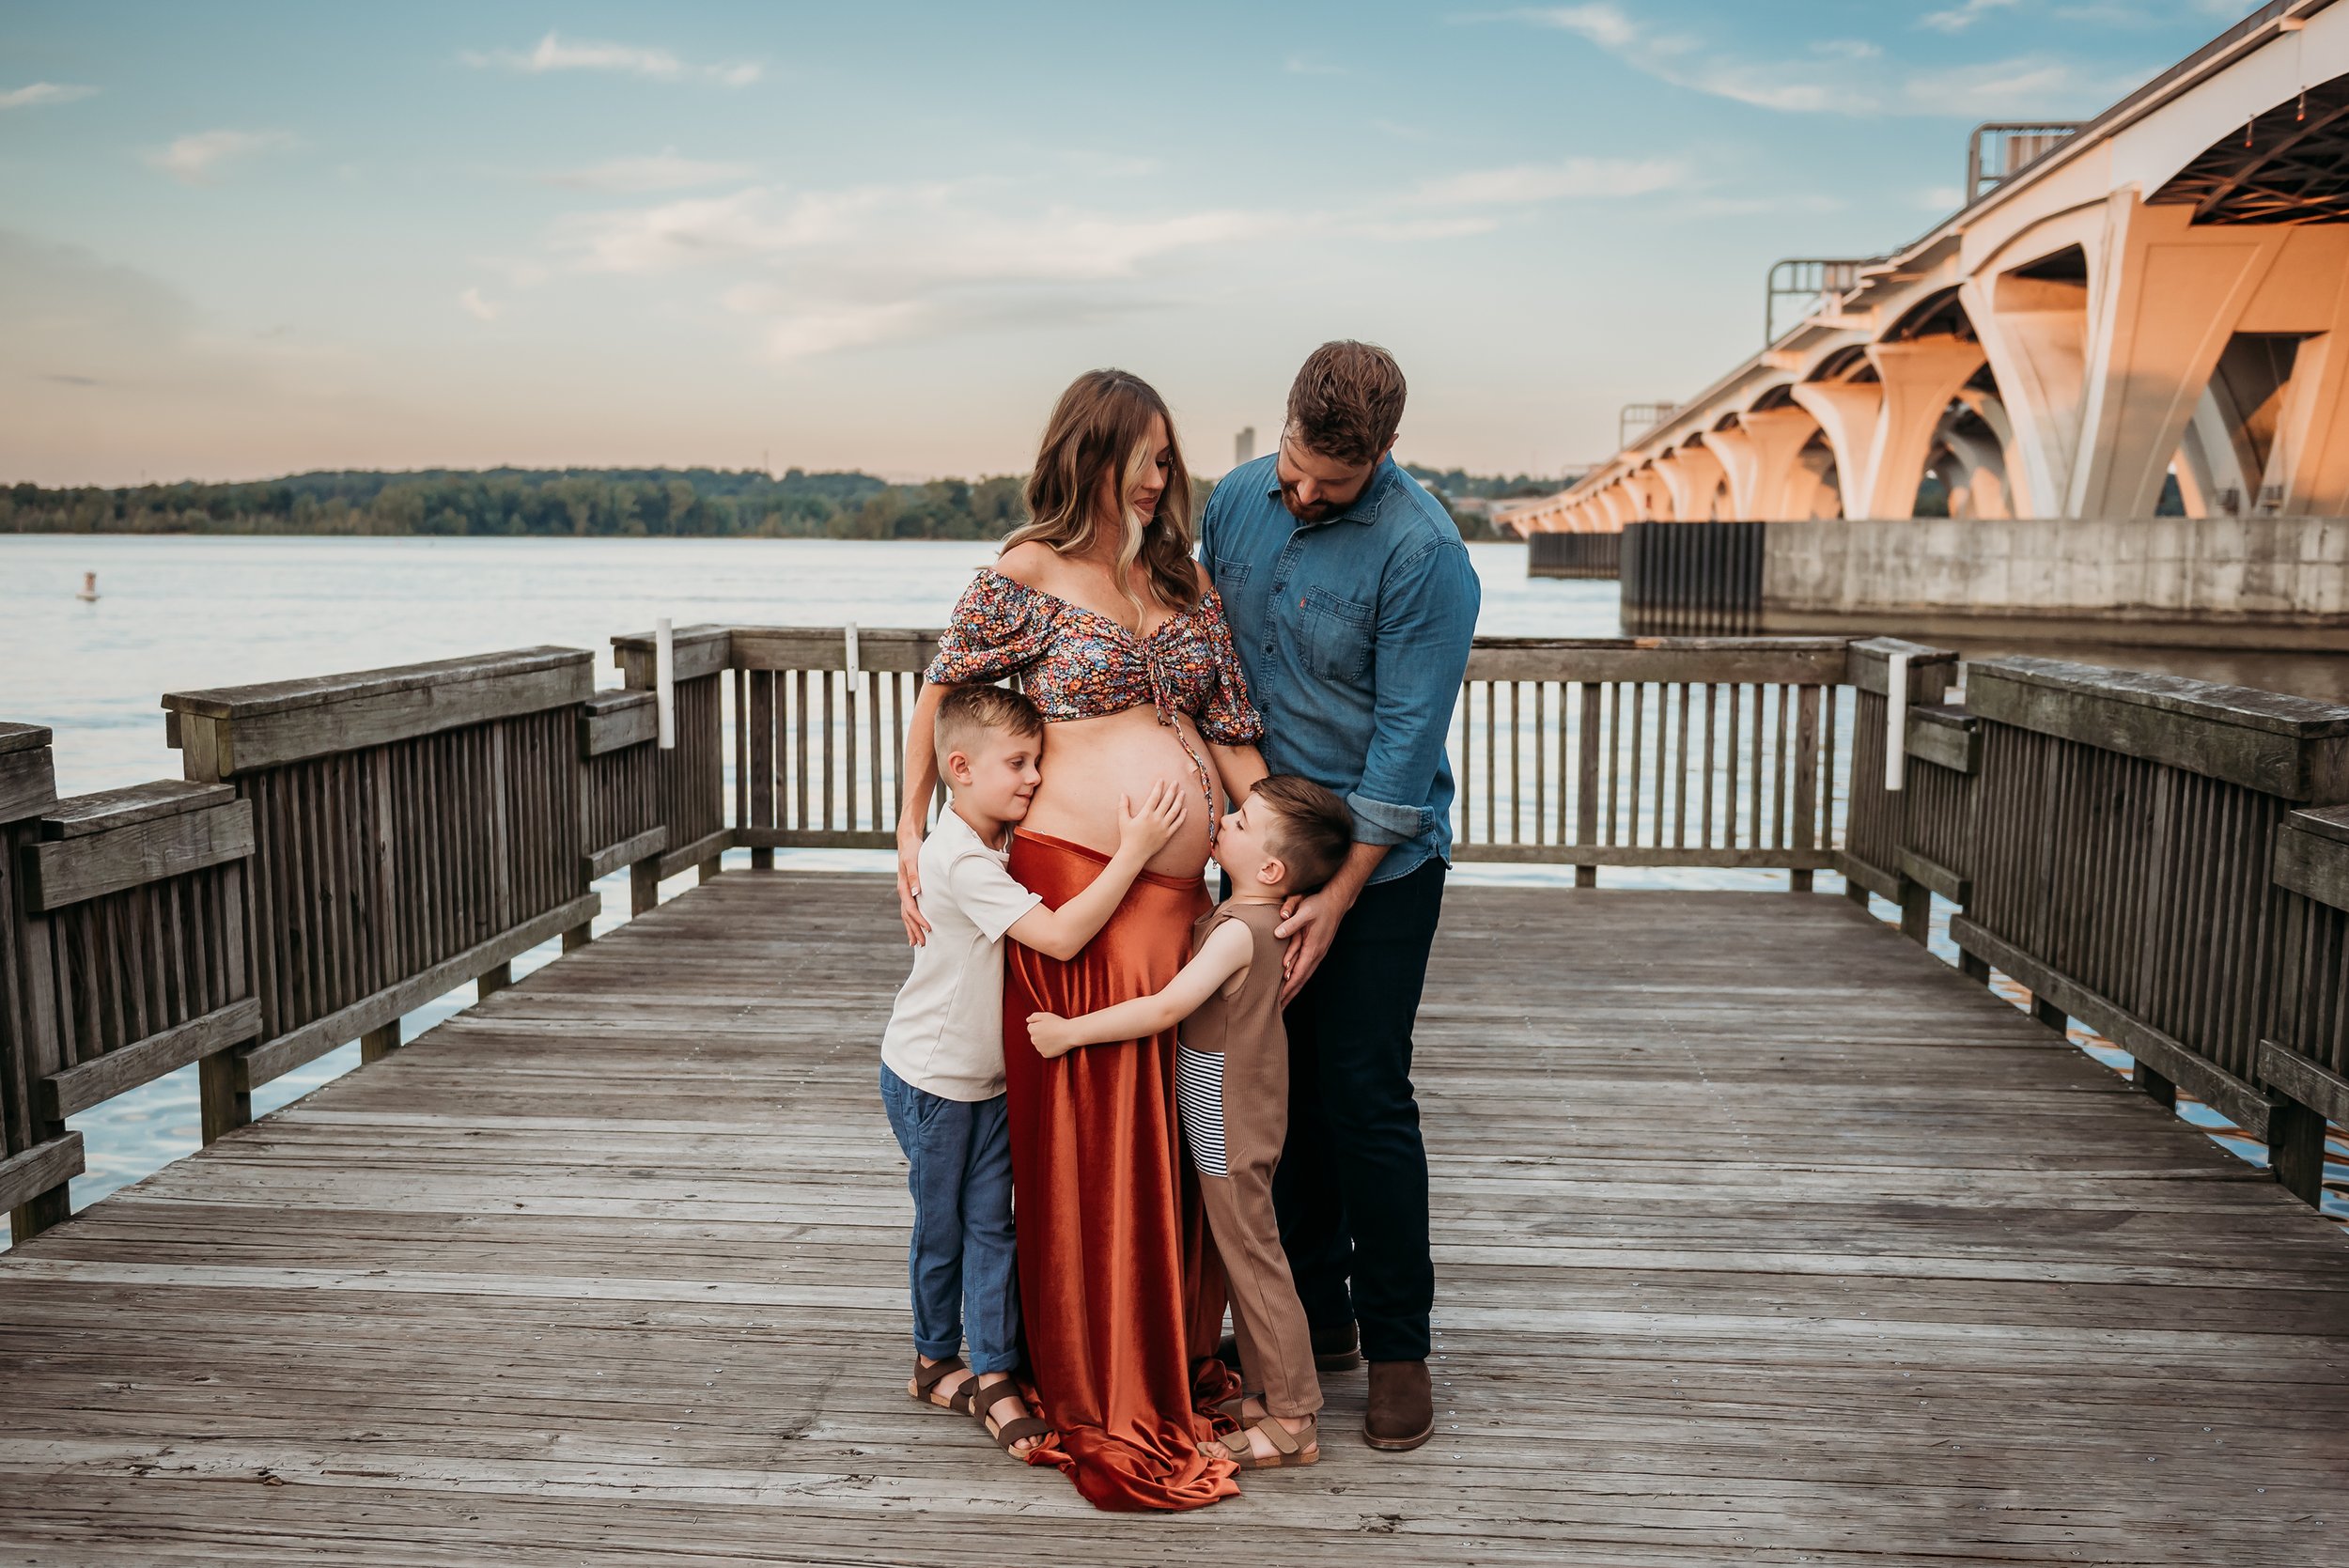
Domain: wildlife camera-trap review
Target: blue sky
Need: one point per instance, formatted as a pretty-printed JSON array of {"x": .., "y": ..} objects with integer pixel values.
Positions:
[{"x": 239, "y": 240}]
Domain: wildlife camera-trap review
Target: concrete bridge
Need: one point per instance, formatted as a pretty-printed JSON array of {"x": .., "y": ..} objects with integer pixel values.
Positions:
[
  {"x": 1765, "y": 1236},
  {"x": 2143, "y": 314}
]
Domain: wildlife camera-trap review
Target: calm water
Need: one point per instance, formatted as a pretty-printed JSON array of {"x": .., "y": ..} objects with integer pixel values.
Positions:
[{"x": 182, "y": 613}]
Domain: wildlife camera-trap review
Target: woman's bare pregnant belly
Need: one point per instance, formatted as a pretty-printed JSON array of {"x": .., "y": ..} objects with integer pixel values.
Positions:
[{"x": 1089, "y": 763}]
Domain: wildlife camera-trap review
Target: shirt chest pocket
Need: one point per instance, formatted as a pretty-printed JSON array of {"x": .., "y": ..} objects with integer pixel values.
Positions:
[{"x": 1335, "y": 635}]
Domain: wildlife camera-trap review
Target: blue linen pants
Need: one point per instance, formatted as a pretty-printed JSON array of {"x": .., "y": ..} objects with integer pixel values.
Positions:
[{"x": 960, "y": 1261}]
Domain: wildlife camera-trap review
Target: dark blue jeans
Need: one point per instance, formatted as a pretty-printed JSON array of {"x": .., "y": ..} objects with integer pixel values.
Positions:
[
  {"x": 1352, "y": 1188},
  {"x": 961, "y": 1262}
]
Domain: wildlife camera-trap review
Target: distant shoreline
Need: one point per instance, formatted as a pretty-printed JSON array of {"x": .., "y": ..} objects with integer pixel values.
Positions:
[{"x": 598, "y": 503}]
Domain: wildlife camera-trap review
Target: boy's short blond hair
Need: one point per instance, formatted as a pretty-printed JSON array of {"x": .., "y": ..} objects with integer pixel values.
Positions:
[
  {"x": 968, "y": 712},
  {"x": 1312, "y": 829}
]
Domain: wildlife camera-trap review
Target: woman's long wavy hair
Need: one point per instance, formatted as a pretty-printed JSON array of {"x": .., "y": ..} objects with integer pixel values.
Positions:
[{"x": 1099, "y": 433}]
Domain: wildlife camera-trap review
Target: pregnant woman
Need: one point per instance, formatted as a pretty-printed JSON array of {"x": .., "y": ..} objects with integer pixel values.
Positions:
[{"x": 1096, "y": 605}]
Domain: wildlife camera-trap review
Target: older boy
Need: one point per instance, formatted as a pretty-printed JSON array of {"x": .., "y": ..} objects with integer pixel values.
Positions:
[
  {"x": 1231, "y": 1090},
  {"x": 941, "y": 1075}
]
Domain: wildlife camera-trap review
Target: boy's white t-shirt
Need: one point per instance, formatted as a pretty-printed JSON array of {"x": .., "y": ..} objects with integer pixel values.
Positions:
[{"x": 946, "y": 1033}]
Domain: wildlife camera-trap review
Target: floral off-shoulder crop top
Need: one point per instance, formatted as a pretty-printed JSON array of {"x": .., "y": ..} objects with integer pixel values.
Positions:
[{"x": 1078, "y": 663}]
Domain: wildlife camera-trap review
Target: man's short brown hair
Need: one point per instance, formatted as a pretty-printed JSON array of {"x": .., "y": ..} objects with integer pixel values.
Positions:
[
  {"x": 966, "y": 712},
  {"x": 1346, "y": 402},
  {"x": 1312, "y": 829}
]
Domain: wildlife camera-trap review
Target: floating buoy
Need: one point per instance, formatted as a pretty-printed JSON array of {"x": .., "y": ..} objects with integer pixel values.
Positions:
[{"x": 90, "y": 588}]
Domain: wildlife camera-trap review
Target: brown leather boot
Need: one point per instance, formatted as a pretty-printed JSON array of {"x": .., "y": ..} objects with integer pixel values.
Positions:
[{"x": 1402, "y": 1413}]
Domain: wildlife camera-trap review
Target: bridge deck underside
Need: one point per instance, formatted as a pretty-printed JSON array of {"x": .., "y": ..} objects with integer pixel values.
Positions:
[{"x": 1763, "y": 1237}]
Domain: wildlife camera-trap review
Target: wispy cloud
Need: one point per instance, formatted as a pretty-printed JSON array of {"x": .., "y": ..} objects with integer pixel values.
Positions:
[
  {"x": 662, "y": 171},
  {"x": 1832, "y": 75},
  {"x": 42, "y": 92},
  {"x": 1306, "y": 65},
  {"x": 556, "y": 53},
  {"x": 1964, "y": 14},
  {"x": 195, "y": 159},
  {"x": 475, "y": 306},
  {"x": 1603, "y": 24},
  {"x": 1570, "y": 178}
]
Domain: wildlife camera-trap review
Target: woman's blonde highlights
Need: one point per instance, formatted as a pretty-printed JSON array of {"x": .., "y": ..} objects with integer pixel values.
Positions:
[{"x": 1099, "y": 430}]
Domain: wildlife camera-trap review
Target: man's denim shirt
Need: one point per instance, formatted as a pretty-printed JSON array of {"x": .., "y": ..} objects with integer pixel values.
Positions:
[{"x": 1354, "y": 635}]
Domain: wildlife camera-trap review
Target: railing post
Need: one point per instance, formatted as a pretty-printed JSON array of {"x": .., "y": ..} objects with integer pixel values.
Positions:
[
  {"x": 377, "y": 1044},
  {"x": 39, "y": 1158}
]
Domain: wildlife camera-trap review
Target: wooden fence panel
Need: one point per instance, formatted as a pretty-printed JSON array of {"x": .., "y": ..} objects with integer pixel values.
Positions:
[
  {"x": 413, "y": 829},
  {"x": 2122, "y": 866}
]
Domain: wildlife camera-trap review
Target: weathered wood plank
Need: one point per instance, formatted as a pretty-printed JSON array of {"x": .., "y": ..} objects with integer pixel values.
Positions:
[
  {"x": 702, "y": 850},
  {"x": 1933, "y": 876},
  {"x": 812, "y": 648},
  {"x": 1867, "y": 668},
  {"x": 77, "y": 1088},
  {"x": 2281, "y": 745},
  {"x": 1945, "y": 738},
  {"x": 2311, "y": 1083},
  {"x": 39, "y": 1169},
  {"x": 1619, "y": 854},
  {"x": 604, "y": 862},
  {"x": 237, "y": 730},
  {"x": 1768, "y": 661},
  {"x": 2311, "y": 861},
  {"x": 2242, "y": 1103},
  {"x": 274, "y": 1058},
  {"x": 151, "y": 847},
  {"x": 109, "y": 808},
  {"x": 612, "y": 721},
  {"x": 699, "y": 650},
  {"x": 1760, "y": 1236},
  {"x": 28, "y": 773}
]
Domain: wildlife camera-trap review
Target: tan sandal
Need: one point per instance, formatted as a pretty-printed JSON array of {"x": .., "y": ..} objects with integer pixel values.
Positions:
[
  {"x": 985, "y": 1396},
  {"x": 1289, "y": 1448},
  {"x": 930, "y": 1376}
]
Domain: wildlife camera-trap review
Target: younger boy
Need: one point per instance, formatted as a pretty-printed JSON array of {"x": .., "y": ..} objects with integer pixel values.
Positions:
[
  {"x": 1232, "y": 1091},
  {"x": 942, "y": 1055}
]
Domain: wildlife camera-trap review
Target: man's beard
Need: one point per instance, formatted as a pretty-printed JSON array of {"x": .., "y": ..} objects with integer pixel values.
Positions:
[{"x": 1320, "y": 511}]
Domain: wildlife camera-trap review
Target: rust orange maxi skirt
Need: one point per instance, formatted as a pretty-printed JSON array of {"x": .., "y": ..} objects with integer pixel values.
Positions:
[{"x": 1117, "y": 1280}]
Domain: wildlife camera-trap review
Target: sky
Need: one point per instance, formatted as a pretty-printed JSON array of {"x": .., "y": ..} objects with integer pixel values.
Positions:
[{"x": 241, "y": 240}]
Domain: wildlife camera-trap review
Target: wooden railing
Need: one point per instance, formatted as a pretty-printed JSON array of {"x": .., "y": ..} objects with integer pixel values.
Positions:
[
  {"x": 2147, "y": 855},
  {"x": 1654, "y": 752},
  {"x": 125, "y": 920},
  {"x": 2127, "y": 846},
  {"x": 342, "y": 850},
  {"x": 2304, "y": 1054}
]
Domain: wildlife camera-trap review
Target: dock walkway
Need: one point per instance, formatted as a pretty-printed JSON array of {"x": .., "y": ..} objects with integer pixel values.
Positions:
[{"x": 1763, "y": 1237}]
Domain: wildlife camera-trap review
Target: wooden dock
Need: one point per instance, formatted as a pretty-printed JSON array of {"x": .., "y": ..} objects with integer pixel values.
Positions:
[{"x": 1763, "y": 1237}]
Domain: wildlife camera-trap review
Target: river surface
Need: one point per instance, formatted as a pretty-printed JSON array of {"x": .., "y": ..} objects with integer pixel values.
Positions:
[{"x": 186, "y": 612}]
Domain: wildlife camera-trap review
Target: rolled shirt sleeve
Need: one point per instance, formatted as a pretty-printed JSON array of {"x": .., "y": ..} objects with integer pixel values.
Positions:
[{"x": 1426, "y": 620}]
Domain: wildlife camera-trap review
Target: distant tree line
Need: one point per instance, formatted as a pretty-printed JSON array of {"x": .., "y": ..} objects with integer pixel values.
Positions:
[{"x": 697, "y": 502}]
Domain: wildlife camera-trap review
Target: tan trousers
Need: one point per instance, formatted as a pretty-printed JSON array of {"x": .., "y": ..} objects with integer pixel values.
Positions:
[{"x": 1276, "y": 1348}]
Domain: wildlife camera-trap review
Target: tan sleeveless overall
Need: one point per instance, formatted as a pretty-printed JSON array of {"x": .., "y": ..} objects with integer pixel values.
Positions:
[{"x": 1232, "y": 1083}]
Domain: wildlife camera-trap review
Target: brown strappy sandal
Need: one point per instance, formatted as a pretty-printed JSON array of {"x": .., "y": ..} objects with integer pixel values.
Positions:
[
  {"x": 1289, "y": 1448},
  {"x": 985, "y": 1396},
  {"x": 928, "y": 1377}
]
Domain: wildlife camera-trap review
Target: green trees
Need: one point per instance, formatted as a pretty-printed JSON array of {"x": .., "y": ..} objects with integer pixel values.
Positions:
[{"x": 549, "y": 504}]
